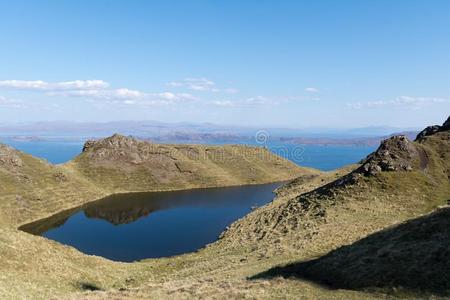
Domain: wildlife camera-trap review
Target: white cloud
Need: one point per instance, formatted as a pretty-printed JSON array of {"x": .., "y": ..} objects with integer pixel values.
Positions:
[
  {"x": 312, "y": 90},
  {"x": 129, "y": 102},
  {"x": 126, "y": 96},
  {"x": 299, "y": 98},
  {"x": 231, "y": 91},
  {"x": 401, "y": 101},
  {"x": 97, "y": 90},
  {"x": 122, "y": 93},
  {"x": 168, "y": 96},
  {"x": 64, "y": 85},
  {"x": 354, "y": 105},
  {"x": 260, "y": 100},
  {"x": 201, "y": 85},
  {"x": 174, "y": 96},
  {"x": 224, "y": 103},
  {"x": 195, "y": 84},
  {"x": 252, "y": 101},
  {"x": 11, "y": 103}
]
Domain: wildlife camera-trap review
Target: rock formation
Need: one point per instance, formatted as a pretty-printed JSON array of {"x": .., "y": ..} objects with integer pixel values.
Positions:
[{"x": 433, "y": 129}]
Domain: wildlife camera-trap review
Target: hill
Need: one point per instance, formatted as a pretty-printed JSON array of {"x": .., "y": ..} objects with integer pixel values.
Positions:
[
  {"x": 400, "y": 181},
  {"x": 120, "y": 163},
  {"x": 31, "y": 186}
]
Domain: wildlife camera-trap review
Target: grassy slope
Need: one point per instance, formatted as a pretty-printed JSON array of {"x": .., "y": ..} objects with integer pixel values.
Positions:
[
  {"x": 303, "y": 222},
  {"x": 32, "y": 266},
  {"x": 124, "y": 164},
  {"x": 409, "y": 259},
  {"x": 35, "y": 188}
]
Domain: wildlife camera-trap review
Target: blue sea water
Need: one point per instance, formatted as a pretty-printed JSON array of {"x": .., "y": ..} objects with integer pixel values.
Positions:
[
  {"x": 322, "y": 157},
  {"x": 55, "y": 152}
]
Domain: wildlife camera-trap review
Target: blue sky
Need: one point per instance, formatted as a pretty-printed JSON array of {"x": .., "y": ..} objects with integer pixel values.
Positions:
[{"x": 259, "y": 63}]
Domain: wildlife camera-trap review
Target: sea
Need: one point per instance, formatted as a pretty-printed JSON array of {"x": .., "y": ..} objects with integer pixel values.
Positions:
[{"x": 322, "y": 157}]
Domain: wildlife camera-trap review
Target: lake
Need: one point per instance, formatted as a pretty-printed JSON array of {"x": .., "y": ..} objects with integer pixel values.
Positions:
[
  {"x": 130, "y": 227},
  {"x": 135, "y": 226}
]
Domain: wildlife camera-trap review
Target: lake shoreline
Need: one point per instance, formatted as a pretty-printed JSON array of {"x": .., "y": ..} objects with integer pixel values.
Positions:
[
  {"x": 201, "y": 214},
  {"x": 282, "y": 182}
]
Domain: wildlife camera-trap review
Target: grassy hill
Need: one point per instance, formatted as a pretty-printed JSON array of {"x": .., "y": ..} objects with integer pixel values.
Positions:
[
  {"x": 120, "y": 163},
  {"x": 31, "y": 187},
  {"x": 400, "y": 181}
]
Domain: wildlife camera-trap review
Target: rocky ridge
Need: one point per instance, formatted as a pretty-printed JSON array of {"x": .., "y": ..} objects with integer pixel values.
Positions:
[
  {"x": 430, "y": 130},
  {"x": 122, "y": 164}
]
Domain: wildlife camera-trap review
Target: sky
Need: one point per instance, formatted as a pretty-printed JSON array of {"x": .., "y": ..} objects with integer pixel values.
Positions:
[{"x": 295, "y": 64}]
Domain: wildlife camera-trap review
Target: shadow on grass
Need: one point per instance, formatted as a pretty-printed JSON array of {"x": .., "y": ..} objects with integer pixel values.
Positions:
[
  {"x": 87, "y": 286},
  {"x": 410, "y": 258}
]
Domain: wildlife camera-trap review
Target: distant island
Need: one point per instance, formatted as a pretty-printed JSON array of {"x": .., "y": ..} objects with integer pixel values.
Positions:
[{"x": 159, "y": 132}]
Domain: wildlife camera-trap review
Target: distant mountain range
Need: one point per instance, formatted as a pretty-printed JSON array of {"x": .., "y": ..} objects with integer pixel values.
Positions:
[
  {"x": 197, "y": 133},
  {"x": 357, "y": 141}
]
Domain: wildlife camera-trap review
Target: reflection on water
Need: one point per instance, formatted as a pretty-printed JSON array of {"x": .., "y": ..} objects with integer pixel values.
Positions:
[{"x": 128, "y": 227}]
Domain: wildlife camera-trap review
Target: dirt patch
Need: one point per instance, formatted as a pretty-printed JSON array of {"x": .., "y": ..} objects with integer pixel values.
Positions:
[{"x": 424, "y": 160}]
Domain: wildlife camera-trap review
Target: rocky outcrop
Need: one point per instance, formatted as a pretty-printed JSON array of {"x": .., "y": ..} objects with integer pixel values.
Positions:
[
  {"x": 394, "y": 154},
  {"x": 399, "y": 154},
  {"x": 446, "y": 125},
  {"x": 117, "y": 147},
  {"x": 115, "y": 141},
  {"x": 430, "y": 130},
  {"x": 9, "y": 157}
]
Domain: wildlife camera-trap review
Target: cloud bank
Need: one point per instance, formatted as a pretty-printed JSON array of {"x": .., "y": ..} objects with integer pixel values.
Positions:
[
  {"x": 43, "y": 85},
  {"x": 401, "y": 101},
  {"x": 200, "y": 90}
]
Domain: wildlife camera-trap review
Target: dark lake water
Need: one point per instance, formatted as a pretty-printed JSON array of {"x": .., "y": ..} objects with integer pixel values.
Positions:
[{"x": 130, "y": 227}]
